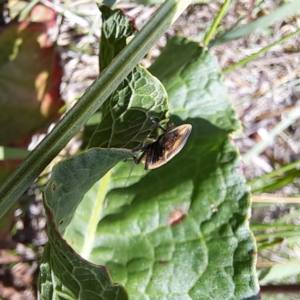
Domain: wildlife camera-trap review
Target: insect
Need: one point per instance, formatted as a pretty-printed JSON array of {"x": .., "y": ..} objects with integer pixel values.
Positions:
[{"x": 168, "y": 144}]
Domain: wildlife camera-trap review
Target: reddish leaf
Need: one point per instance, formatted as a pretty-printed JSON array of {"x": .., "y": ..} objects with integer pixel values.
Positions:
[{"x": 30, "y": 76}]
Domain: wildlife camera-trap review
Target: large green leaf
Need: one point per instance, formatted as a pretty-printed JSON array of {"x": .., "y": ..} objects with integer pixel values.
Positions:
[
  {"x": 181, "y": 231},
  {"x": 177, "y": 232}
]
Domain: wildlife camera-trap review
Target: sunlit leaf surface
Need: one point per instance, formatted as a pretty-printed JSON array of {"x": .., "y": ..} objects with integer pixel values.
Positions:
[{"x": 177, "y": 232}]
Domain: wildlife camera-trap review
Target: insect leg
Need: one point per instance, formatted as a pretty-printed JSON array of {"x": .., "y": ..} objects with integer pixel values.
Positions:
[
  {"x": 157, "y": 124},
  {"x": 138, "y": 160},
  {"x": 138, "y": 148}
]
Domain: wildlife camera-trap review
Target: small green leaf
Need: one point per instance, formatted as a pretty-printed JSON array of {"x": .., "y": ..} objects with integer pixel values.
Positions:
[
  {"x": 81, "y": 171},
  {"x": 280, "y": 271},
  {"x": 125, "y": 116}
]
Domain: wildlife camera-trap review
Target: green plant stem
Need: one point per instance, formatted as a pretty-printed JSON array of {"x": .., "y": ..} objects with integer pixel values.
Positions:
[
  {"x": 280, "y": 227},
  {"x": 216, "y": 22},
  {"x": 284, "y": 234},
  {"x": 254, "y": 55},
  {"x": 91, "y": 33},
  {"x": 261, "y": 146},
  {"x": 89, "y": 103},
  {"x": 259, "y": 24},
  {"x": 275, "y": 172},
  {"x": 267, "y": 245}
]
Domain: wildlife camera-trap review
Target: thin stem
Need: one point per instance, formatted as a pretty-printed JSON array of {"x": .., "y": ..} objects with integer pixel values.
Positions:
[
  {"x": 280, "y": 227},
  {"x": 27, "y": 9},
  {"x": 263, "y": 50},
  {"x": 274, "y": 199},
  {"x": 261, "y": 146},
  {"x": 283, "y": 234},
  {"x": 216, "y": 22},
  {"x": 275, "y": 172}
]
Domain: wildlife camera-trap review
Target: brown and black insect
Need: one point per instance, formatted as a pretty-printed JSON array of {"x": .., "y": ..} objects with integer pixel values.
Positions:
[{"x": 168, "y": 144}]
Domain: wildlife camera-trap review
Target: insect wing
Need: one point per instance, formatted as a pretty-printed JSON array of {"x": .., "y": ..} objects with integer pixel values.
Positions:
[{"x": 172, "y": 142}]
